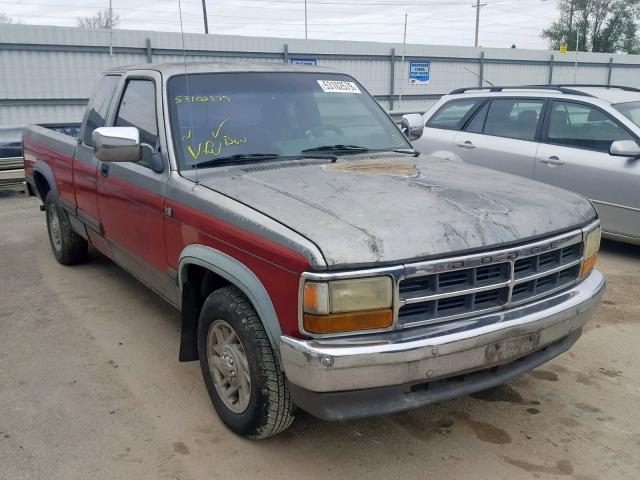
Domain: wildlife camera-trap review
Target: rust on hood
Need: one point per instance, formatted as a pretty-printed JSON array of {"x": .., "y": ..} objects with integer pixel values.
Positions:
[{"x": 395, "y": 168}]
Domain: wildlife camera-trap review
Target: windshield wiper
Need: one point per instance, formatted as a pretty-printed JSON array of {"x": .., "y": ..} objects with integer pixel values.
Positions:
[
  {"x": 240, "y": 157},
  {"x": 337, "y": 149}
]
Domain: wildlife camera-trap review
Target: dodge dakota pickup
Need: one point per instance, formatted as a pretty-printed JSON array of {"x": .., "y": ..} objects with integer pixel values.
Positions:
[{"x": 317, "y": 260}]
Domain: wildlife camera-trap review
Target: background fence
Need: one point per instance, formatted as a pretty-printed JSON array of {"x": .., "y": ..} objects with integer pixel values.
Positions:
[{"x": 48, "y": 73}]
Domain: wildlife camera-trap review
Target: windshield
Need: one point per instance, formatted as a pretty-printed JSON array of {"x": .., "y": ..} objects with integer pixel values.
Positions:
[
  {"x": 631, "y": 110},
  {"x": 283, "y": 114}
]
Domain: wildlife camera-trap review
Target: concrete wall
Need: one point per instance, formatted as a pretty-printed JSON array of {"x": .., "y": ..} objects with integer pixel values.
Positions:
[{"x": 48, "y": 73}]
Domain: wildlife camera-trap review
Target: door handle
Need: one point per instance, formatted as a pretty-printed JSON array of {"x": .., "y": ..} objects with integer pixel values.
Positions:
[
  {"x": 104, "y": 169},
  {"x": 553, "y": 160},
  {"x": 465, "y": 144}
]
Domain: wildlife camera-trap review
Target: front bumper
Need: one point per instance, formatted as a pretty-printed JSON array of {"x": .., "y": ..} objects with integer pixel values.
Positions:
[{"x": 338, "y": 379}]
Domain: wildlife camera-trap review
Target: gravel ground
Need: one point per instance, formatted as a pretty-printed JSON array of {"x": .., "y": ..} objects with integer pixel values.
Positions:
[{"x": 90, "y": 387}]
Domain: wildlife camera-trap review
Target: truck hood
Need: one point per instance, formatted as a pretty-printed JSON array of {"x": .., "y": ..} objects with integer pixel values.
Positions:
[{"x": 374, "y": 210}]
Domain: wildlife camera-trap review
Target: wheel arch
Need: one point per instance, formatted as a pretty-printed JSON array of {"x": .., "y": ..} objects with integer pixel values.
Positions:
[
  {"x": 234, "y": 273},
  {"x": 44, "y": 180}
]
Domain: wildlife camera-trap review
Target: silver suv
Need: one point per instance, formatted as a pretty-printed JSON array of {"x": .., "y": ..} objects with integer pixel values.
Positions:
[{"x": 584, "y": 138}]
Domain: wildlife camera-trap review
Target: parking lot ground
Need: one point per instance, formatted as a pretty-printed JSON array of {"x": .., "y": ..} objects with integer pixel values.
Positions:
[{"x": 90, "y": 388}]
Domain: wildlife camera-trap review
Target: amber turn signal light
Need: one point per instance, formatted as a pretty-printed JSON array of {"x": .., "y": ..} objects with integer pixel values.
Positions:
[
  {"x": 588, "y": 265},
  {"x": 348, "y": 322}
]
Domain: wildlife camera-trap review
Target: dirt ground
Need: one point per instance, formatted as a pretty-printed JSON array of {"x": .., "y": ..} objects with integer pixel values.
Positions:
[{"x": 90, "y": 388}]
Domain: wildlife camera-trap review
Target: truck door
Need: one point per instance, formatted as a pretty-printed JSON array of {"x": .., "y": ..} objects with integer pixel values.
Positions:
[
  {"x": 131, "y": 196},
  {"x": 85, "y": 164}
]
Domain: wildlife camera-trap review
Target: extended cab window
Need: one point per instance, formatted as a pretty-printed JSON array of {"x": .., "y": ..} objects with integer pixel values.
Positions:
[
  {"x": 582, "y": 126},
  {"x": 98, "y": 107},
  {"x": 453, "y": 114},
  {"x": 513, "y": 118}
]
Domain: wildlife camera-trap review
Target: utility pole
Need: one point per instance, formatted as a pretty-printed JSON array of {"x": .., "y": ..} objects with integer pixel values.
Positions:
[
  {"x": 478, "y": 6},
  {"x": 204, "y": 16},
  {"x": 305, "y": 20},
  {"x": 404, "y": 50},
  {"x": 571, "y": 11},
  {"x": 110, "y": 29}
]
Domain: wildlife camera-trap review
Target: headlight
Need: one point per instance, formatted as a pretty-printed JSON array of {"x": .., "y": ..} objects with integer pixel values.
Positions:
[
  {"x": 348, "y": 305},
  {"x": 591, "y": 248}
]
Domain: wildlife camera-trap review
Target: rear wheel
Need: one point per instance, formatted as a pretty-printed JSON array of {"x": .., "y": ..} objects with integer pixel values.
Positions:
[
  {"x": 240, "y": 369},
  {"x": 68, "y": 247}
]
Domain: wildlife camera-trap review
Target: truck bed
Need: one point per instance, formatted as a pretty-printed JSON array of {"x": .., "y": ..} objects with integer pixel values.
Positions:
[{"x": 49, "y": 152}]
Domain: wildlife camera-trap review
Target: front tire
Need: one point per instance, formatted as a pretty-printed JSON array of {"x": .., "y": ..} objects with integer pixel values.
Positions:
[
  {"x": 240, "y": 369},
  {"x": 68, "y": 247}
]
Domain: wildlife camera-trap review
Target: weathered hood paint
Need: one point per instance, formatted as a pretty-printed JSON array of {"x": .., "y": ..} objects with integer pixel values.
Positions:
[{"x": 371, "y": 211}]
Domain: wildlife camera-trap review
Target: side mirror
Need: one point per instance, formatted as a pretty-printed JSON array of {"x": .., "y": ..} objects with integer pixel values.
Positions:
[
  {"x": 412, "y": 126},
  {"x": 625, "y": 148},
  {"x": 117, "y": 144}
]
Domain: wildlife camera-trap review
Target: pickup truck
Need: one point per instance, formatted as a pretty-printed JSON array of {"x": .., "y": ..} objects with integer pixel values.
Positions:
[{"x": 318, "y": 261}]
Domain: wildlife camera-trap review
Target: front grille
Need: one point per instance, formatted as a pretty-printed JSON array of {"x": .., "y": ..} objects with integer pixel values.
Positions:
[{"x": 445, "y": 290}]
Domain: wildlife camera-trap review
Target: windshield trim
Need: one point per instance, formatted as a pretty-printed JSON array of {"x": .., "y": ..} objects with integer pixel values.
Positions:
[{"x": 169, "y": 127}]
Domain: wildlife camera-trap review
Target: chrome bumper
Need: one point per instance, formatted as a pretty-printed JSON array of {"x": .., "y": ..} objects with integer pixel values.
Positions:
[{"x": 426, "y": 354}]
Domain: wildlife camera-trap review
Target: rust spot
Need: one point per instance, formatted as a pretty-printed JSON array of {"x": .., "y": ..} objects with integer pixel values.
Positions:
[
  {"x": 395, "y": 168},
  {"x": 610, "y": 372},
  {"x": 181, "y": 448},
  {"x": 585, "y": 379},
  {"x": 544, "y": 375},
  {"x": 562, "y": 467},
  {"x": 585, "y": 407},
  {"x": 485, "y": 431},
  {"x": 501, "y": 393}
]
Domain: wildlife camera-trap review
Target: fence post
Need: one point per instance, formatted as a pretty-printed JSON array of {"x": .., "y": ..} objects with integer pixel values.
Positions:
[
  {"x": 610, "y": 72},
  {"x": 551, "y": 69},
  {"x": 285, "y": 53},
  {"x": 481, "y": 77},
  {"x": 392, "y": 79},
  {"x": 149, "y": 52}
]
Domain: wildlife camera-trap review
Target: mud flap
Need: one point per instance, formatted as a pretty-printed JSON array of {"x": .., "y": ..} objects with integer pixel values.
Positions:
[{"x": 189, "y": 324}]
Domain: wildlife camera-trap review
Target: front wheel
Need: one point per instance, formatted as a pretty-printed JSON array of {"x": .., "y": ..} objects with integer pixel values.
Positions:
[{"x": 240, "y": 369}]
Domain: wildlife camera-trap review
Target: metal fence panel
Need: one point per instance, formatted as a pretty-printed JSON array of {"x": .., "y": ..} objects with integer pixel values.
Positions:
[{"x": 47, "y": 73}]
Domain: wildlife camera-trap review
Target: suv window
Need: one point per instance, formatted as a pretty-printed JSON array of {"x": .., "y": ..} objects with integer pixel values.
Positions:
[
  {"x": 97, "y": 109},
  {"x": 476, "y": 125},
  {"x": 581, "y": 126},
  {"x": 513, "y": 118},
  {"x": 452, "y": 114},
  {"x": 138, "y": 109}
]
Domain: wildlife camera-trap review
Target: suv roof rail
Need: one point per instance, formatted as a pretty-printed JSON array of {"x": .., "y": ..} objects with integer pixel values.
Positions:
[
  {"x": 555, "y": 88},
  {"x": 599, "y": 85}
]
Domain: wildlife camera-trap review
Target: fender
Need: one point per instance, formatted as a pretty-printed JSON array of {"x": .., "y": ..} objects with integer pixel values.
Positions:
[
  {"x": 240, "y": 276},
  {"x": 44, "y": 169}
]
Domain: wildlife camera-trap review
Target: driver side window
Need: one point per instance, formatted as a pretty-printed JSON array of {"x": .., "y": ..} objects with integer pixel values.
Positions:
[{"x": 138, "y": 109}]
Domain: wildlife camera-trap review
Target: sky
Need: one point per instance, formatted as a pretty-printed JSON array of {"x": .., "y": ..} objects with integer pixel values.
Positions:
[{"x": 441, "y": 22}]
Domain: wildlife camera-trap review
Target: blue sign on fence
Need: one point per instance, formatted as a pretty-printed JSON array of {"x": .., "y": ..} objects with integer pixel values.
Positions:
[
  {"x": 304, "y": 61},
  {"x": 419, "y": 73}
]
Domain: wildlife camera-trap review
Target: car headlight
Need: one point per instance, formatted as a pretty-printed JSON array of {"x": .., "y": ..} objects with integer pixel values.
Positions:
[
  {"x": 591, "y": 248},
  {"x": 341, "y": 306}
]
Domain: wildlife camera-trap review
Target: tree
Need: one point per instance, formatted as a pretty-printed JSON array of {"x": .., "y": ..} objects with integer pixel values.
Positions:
[
  {"x": 596, "y": 25},
  {"x": 102, "y": 19},
  {"x": 4, "y": 18}
]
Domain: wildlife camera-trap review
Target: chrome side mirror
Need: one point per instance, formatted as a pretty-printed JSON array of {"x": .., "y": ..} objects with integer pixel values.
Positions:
[
  {"x": 117, "y": 144},
  {"x": 625, "y": 148},
  {"x": 412, "y": 126}
]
